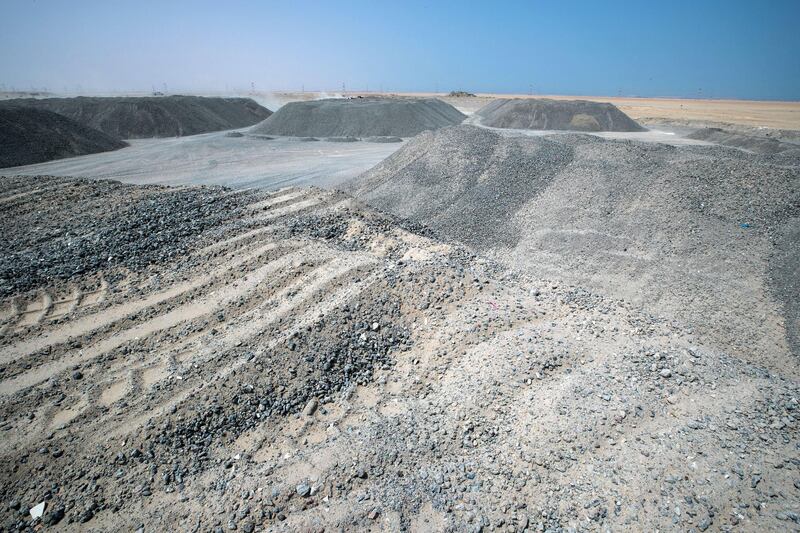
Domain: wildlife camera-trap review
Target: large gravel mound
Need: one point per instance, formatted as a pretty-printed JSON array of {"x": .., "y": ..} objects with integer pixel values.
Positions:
[
  {"x": 144, "y": 117},
  {"x": 360, "y": 117},
  {"x": 30, "y": 136},
  {"x": 544, "y": 114},
  {"x": 699, "y": 234},
  {"x": 751, "y": 143}
]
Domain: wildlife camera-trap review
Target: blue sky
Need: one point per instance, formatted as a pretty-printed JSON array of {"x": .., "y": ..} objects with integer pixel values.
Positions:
[{"x": 717, "y": 48}]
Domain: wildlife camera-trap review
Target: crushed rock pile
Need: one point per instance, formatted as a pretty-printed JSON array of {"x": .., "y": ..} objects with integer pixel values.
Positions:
[
  {"x": 699, "y": 234},
  {"x": 29, "y": 136},
  {"x": 546, "y": 114},
  {"x": 751, "y": 143},
  {"x": 360, "y": 117},
  {"x": 145, "y": 117}
]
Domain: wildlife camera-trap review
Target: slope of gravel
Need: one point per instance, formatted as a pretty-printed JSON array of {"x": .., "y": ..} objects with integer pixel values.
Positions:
[
  {"x": 309, "y": 364},
  {"x": 751, "y": 143},
  {"x": 145, "y": 117},
  {"x": 30, "y": 136},
  {"x": 360, "y": 117},
  {"x": 701, "y": 235},
  {"x": 118, "y": 213},
  {"x": 545, "y": 114}
]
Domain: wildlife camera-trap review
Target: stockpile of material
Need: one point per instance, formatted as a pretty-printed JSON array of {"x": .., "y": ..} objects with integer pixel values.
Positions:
[
  {"x": 145, "y": 117},
  {"x": 545, "y": 114},
  {"x": 360, "y": 117},
  {"x": 751, "y": 143},
  {"x": 30, "y": 136},
  {"x": 699, "y": 234}
]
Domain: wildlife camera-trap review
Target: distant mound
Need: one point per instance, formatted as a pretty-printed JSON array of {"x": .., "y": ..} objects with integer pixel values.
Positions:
[
  {"x": 705, "y": 236},
  {"x": 29, "y": 136},
  {"x": 360, "y": 117},
  {"x": 751, "y": 143},
  {"x": 545, "y": 114},
  {"x": 145, "y": 117}
]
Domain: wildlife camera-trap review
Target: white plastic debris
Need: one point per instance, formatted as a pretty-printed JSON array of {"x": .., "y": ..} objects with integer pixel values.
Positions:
[{"x": 37, "y": 511}]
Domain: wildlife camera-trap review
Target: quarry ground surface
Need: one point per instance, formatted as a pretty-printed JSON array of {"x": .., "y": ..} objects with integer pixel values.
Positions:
[
  {"x": 215, "y": 158},
  {"x": 295, "y": 361},
  {"x": 269, "y": 358},
  {"x": 240, "y": 162}
]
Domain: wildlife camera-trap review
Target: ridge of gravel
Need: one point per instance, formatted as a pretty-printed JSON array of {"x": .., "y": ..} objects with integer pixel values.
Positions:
[
  {"x": 546, "y": 114},
  {"x": 29, "y": 135},
  {"x": 700, "y": 234},
  {"x": 360, "y": 117},
  {"x": 751, "y": 143},
  {"x": 128, "y": 117}
]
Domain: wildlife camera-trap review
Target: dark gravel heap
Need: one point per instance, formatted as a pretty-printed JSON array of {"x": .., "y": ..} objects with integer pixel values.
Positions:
[
  {"x": 144, "y": 117},
  {"x": 751, "y": 143},
  {"x": 50, "y": 241},
  {"x": 676, "y": 230},
  {"x": 360, "y": 117},
  {"x": 545, "y": 114},
  {"x": 29, "y": 135}
]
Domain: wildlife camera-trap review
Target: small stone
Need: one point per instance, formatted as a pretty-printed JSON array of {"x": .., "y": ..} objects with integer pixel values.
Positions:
[
  {"x": 665, "y": 373},
  {"x": 37, "y": 510},
  {"x": 303, "y": 489},
  {"x": 77, "y": 375},
  {"x": 310, "y": 407}
]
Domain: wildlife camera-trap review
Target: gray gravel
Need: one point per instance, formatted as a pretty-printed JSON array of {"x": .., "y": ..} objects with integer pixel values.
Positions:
[
  {"x": 29, "y": 135},
  {"x": 50, "y": 241},
  {"x": 143, "y": 117},
  {"x": 700, "y": 234},
  {"x": 546, "y": 114},
  {"x": 751, "y": 143},
  {"x": 360, "y": 117}
]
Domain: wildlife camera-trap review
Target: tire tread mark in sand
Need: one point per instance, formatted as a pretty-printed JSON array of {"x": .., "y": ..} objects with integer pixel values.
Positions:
[
  {"x": 35, "y": 311},
  {"x": 280, "y": 199},
  {"x": 203, "y": 304},
  {"x": 252, "y": 328},
  {"x": 107, "y": 317},
  {"x": 167, "y": 358}
]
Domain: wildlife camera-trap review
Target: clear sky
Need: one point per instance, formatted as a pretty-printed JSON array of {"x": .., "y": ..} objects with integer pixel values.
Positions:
[{"x": 709, "y": 48}]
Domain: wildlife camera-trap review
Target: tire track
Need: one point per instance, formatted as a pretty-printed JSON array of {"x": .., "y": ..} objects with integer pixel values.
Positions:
[{"x": 201, "y": 306}]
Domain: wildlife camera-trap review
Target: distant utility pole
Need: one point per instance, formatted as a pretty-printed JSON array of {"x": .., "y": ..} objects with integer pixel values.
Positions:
[
  {"x": 252, "y": 87},
  {"x": 344, "y": 91},
  {"x": 303, "y": 88},
  {"x": 530, "y": 90}
]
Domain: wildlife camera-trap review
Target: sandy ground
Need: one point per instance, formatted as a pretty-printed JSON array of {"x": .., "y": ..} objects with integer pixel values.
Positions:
[{"x": 213, "y": 158}]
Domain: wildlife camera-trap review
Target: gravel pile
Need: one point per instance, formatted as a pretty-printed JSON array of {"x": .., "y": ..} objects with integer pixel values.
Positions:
[
  {"x": 545, "y": 114},
  {"x": 703, "y": 235},
  {"x": 360, "y": 117},
  {"x": 118, "y": 225},
  {"x": 145, "y": 117},
  {"x": 30, "y": 136},
  {"x": 751, "y": 143}
]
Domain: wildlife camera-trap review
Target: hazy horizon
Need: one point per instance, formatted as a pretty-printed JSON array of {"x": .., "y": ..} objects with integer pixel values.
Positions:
[{"x": 742, "y": 50}]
